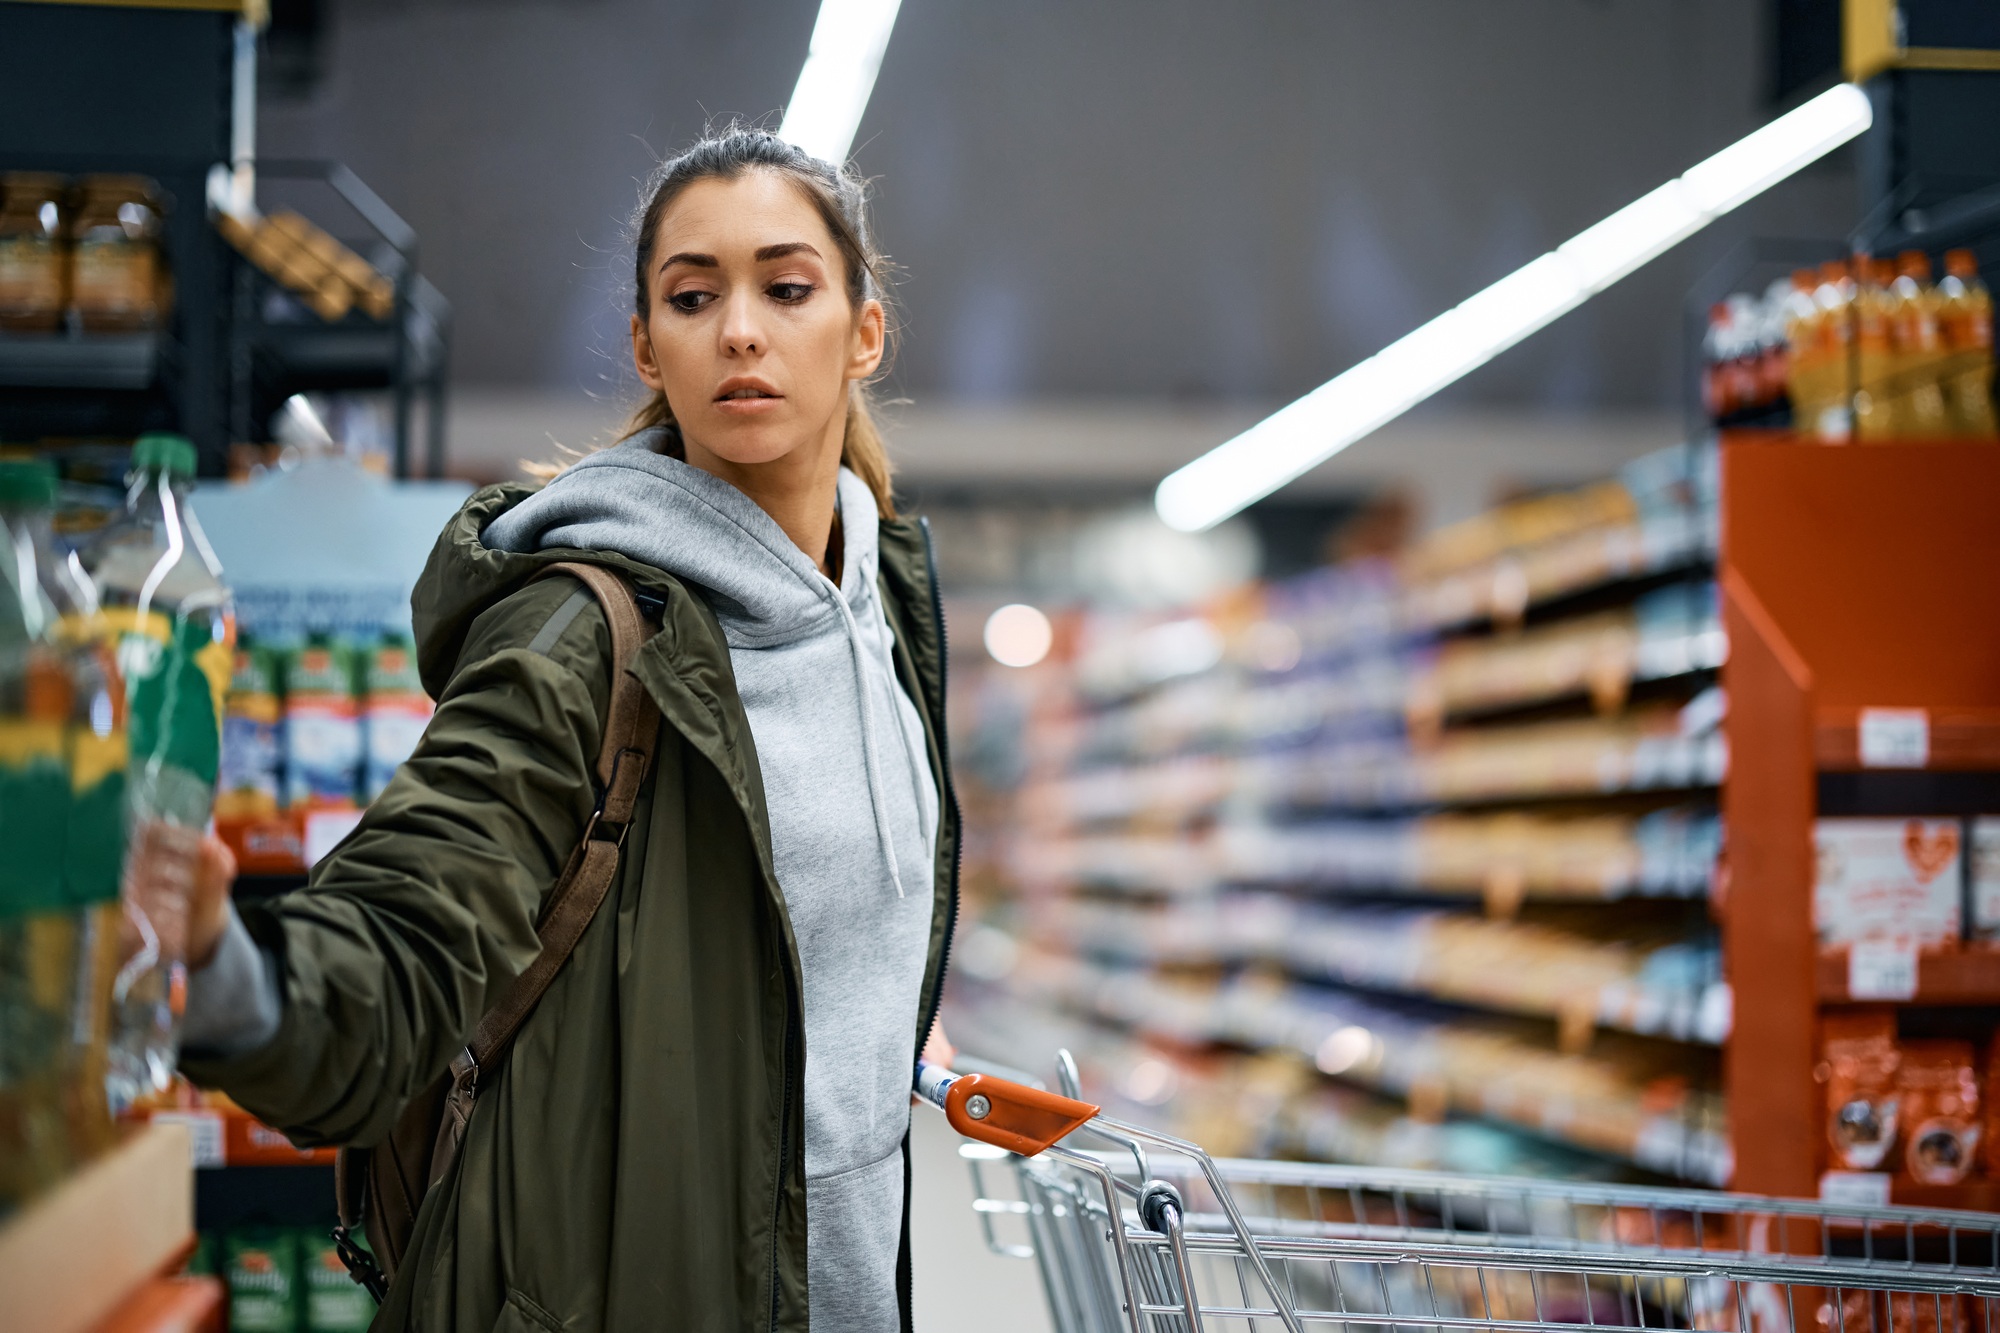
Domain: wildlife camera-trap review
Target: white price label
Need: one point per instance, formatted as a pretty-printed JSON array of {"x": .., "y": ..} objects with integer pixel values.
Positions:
[
  {"x": 1882, "y": 970},
  {"x": 325, "y": 829},
  {"x": 1895, "y": 738},
  {"x": 1857, "y": 1189},
  {"x": 204, "y": 1134}
]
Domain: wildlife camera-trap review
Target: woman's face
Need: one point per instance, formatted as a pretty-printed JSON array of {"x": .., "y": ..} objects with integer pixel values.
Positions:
[{"x": 750, "y": 333}]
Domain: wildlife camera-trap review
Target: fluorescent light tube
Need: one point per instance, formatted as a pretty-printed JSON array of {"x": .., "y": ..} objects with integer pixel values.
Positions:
[
  {"x": 1356, "y": 402},
  {"x": 848, "y": 41}
]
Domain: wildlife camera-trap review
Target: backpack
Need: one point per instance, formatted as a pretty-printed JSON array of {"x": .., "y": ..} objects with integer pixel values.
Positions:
[{"x": 379, "y": 1189}]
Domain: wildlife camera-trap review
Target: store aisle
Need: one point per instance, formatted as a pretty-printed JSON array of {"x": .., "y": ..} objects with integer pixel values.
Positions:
[{"x": 960, "y": 1284}]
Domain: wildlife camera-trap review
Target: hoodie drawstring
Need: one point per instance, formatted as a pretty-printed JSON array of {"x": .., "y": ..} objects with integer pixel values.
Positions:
[{"x": 876, "y": 797}]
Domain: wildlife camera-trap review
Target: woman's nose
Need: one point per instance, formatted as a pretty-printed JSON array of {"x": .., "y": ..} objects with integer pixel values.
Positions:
[{"x": 742, "y": 332}]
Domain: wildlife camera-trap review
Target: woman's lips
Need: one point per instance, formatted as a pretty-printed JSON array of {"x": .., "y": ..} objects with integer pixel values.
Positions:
[{"x": 747, "y": 407}]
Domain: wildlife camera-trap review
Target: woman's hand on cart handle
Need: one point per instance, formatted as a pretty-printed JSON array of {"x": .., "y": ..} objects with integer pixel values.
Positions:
[{"x": 993, "y": 1110}]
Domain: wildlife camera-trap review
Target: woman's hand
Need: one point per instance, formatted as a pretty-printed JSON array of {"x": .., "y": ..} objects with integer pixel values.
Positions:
[
  {"x": 208, "y": 902},
  {"x": 938, "y": 1049}
]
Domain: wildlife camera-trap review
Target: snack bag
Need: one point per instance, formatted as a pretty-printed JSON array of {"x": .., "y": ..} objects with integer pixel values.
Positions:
[
  {"x": 260, "y": 1265},
  {"x": 1859, "y": 1059},
  {"x": 1939, "y": 1097}
]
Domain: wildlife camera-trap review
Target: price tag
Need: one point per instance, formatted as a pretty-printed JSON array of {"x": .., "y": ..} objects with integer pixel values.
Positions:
[
  {"x": 1882, "y": 970},
  {"x": 1857, "y": 1189},
  {"x": 325, "y": 829},
  {"x": 205, "y": 1139},
  {"x": 1895, "y": 738}
]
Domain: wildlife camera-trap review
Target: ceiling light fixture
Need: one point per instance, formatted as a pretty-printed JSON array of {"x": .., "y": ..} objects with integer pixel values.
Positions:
[
  {"x": 1359, "y": 400},
  {"x": 846, "y": 51}
]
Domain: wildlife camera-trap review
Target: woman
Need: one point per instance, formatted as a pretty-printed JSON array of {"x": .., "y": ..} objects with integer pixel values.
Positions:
[{"x": 771, "y": 954}]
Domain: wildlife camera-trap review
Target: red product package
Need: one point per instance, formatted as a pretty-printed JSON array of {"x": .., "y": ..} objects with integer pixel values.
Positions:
[
  {"x": 1939, "y": 1092},
  {"x": 1858, "y": 1064}
]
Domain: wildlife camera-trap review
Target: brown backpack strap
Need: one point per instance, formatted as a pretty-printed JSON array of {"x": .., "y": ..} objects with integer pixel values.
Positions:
[{"x": 631, "y": 728}]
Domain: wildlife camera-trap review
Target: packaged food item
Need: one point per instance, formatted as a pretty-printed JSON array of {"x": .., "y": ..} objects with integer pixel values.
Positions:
[
  {"x": 252, "y": 764},
  {"x": 61, "y": 767},
  {"x": 260, "y": 1267},
  {"x": 1858, "y": 1063},
  {"x": 334, "y": 1301},
  {"x": 117, "y": 283},
  {"x": 395, "y": 712},
  {"x": 1938, "y": 1096},
  {"x": 1989, "y": 1108},
  {"x": 1983, "y": 860},
  {"x": 34, "y": 270},
  {"x": 175, "y": 628},
  {"x": 1886, "y": 879},
  {"x": 322, "y": 726}
]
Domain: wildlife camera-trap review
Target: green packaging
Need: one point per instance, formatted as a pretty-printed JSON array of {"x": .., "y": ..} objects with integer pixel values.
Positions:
[
  {"x": 261, "y": 1266},
  {"x": 335, "y": 1302}
]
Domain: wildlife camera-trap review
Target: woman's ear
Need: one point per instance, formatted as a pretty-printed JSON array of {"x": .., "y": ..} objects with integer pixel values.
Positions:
[
  {"x": 644, "y": 360},
  {"x": 870, "y": 333}
]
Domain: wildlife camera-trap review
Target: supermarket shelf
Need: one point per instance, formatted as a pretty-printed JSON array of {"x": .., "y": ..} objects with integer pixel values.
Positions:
[
  {"x": 1966, "y": 977},
  {"x": 94, "y": 361},
  {"x": 170, "y": 1305},
  {"x": 1958, "y": 738},
  {"x": 70, "y": 1258},
  {"x": 1980, "y": 1196}
]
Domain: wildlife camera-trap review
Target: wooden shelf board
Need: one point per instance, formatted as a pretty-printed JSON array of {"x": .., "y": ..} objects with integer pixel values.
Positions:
[
  {"x": 169, "y": 1305},
  {"x": 1960, "y": 738},
  {"x": 1966, "y": 977},
  {"x": 68, "y": 1259}
]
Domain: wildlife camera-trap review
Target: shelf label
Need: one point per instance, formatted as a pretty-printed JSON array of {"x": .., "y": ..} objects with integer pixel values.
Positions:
[
  {"x": 1882, "y": 970},
  {"x": 205, "y": 1138},
  {"x": 325, "y": 829},
  {"x": 1856, "y": 1189},
  {"x": 1895, "y": 738}
]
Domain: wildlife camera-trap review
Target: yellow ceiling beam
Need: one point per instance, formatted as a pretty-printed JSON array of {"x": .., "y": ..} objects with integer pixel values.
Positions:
[{"x": 1872, "y": 42}]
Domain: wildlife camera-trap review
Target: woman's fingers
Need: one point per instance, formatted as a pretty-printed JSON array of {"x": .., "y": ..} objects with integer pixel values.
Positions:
[
  {"x": 938, "y": 1049},
  {"x": 208, "y": 905}
]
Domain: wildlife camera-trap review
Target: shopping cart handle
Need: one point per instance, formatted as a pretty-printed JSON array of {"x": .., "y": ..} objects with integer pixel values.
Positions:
[{"x": 1007, "y": 1115}]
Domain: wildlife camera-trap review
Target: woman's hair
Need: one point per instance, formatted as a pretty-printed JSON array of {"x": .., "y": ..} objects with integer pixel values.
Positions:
[{"x": 841, "y": 197}]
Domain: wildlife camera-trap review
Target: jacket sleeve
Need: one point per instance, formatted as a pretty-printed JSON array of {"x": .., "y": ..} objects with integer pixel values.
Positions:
[{"x": 411, "y": 928}]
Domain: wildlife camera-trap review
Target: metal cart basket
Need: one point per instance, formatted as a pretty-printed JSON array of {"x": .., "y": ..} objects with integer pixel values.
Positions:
[{"x": 1146, "y": 1233}]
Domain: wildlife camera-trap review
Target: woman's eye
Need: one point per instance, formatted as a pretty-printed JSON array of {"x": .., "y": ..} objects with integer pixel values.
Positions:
[
  {"x": 689, "y": 302},
  {"x": 791, "y": 292}
]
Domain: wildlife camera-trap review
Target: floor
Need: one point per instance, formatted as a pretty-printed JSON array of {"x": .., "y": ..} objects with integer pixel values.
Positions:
[{"x": 960, "y": 1284}]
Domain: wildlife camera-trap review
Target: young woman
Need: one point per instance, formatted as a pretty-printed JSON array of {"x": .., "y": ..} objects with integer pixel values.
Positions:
[{"x": 703, "y": 1125}]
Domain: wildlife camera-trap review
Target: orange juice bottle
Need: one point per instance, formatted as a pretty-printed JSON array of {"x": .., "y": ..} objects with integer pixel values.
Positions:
[
  {"x": 1804, "y": 373},
  {"x": 1874, "y": 354},
  {"x": 1965, "y": 316},
  {"x": 1834, "y": 296},
  {"x": 1913, "y": 314}
]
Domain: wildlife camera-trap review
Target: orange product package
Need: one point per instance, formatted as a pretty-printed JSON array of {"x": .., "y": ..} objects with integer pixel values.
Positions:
[
  {"x": 1939, "y": 1092},
  {"x": 1859, "y": 1059},
  {"x": 1990, "y": 1111}
]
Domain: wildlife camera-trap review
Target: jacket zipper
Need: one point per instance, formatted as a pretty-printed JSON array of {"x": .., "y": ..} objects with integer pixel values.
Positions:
[
  {"x": 784, "y": 1156},
  {"x": 957, "y": 857}
]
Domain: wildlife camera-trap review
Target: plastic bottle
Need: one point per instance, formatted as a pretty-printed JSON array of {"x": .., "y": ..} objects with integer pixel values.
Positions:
[
  {"x": 1874, "y": 354},
  {"x": 1833, "y": 389},
  {"x": 1920, "y": 409},
  {"x": 174, "y": 627},
  {"x": 1965, "y": 314},
  {"x": 61, "y": 769},
  {"x": 1804, "y": 370}
]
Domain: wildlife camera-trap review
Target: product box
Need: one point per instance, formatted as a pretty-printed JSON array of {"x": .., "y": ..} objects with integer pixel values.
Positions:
[
  {"x": 334, "y": 1301},
  {"x": 395, "y": 711},
  {"x": 1984, "y": 896},
  {"x": 322, "y": 726},
  {"x": 260, "y": 1265},
  {"x": 252, "y": 776},
  {"x": 1887, "y": 879}
]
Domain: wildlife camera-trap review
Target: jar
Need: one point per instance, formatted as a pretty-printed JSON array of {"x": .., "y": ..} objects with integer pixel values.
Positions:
[
  {"x": 115, "y": 270},
  {"x": 33, "y": 275}
]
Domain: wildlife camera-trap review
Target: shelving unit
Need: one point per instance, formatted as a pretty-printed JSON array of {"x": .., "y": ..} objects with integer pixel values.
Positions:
[{"x": 1853, "y": 578}]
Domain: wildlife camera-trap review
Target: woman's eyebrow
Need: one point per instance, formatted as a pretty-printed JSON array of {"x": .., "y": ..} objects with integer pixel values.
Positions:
[
  {"x": 782, "y": 249},
  {"x": 689, "y": 257}
]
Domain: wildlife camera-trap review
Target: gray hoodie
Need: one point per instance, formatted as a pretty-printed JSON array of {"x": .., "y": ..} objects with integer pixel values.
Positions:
[{"x": 853, "y": 807}]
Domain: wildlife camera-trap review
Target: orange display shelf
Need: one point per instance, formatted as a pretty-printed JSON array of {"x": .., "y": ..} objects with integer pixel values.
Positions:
[{"x": 1853, "y": 577}]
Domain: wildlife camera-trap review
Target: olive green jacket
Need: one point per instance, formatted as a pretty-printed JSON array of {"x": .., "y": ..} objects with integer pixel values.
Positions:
[{"x": 638, "y": 1161}]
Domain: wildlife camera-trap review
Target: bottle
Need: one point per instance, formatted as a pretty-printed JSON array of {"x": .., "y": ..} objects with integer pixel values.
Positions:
[
  {"x": 116, "y": 280},
  {"x": 174, "y": 629},
  {"x": 1834, "y": 296},
  {"x": 33, "y": 268},
  {"x": 1913, "y": 315},
  {"x": 1965, "y": 316},
  {"x": 1805, "y": 357},
  {"x": 1874, "y": 395},
  {"x": 61, "y": 766}
]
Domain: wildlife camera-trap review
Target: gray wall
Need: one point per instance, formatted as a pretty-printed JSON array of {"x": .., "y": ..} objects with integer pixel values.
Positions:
[{"x": 1188, "y": 199}]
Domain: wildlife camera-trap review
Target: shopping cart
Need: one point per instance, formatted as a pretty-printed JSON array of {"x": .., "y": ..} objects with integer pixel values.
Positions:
[{"x": 1151, "y": 1235}]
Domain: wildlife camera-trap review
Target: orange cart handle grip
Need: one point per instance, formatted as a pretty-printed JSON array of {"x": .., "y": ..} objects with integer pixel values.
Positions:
[{"x": 1007, "y": 1115}]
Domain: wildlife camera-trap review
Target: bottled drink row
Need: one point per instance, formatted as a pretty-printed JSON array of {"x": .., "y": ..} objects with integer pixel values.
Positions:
[
  {"x": 86, "y": 249},
  {"x": 1858, "y": 349},
  {"x": 115, "y": 654}
]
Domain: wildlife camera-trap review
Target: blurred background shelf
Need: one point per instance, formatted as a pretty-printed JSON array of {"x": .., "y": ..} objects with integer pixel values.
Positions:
[{"x": 84, "y": 361}]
